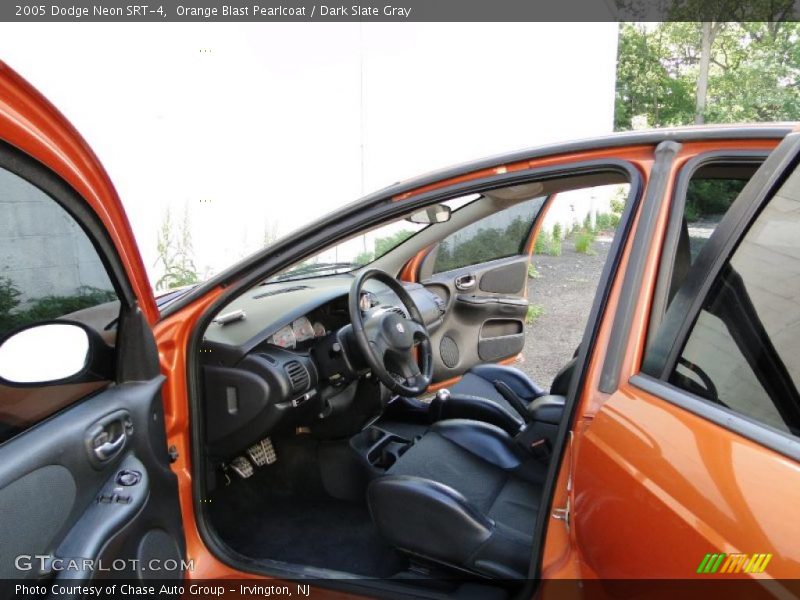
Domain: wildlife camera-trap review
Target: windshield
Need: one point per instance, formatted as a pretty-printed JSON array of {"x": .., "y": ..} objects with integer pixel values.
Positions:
[{"x": 362, "y": 249}]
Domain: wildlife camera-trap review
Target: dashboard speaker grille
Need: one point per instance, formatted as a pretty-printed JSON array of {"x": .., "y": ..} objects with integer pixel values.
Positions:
[
  {"x": 298, "y": 375},
  {"x": 448, "y": 349}
]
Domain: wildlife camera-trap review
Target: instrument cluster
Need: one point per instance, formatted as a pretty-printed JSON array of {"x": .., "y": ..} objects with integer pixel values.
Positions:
[{"x": 298, "y": 331}]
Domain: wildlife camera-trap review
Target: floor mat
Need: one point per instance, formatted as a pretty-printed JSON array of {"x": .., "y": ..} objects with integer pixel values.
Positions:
[{"x": 283, "y": 513}]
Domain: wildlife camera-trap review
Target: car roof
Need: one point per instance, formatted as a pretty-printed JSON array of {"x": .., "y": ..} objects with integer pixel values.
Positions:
[{"x": 689, "y": 133}]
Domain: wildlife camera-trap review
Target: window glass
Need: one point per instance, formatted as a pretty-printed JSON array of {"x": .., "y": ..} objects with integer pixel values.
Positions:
[
  {"x": 707, "y": 201},
  {"x": 499, "y": 235},
  {"x": 49, "y": 270},
  {"x": 709, "y": 194},
  {"x": 364, "y": 248},
  {"x": 744, "y": 349}
]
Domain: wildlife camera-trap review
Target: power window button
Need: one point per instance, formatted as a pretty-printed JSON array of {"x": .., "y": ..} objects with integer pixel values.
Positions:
[
  {"x": 128, "y": 477},
  {"x": 123, "y": 499}
]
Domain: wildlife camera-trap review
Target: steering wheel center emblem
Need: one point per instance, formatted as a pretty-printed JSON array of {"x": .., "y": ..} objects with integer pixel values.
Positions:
[{"x": 400, "y": 327}]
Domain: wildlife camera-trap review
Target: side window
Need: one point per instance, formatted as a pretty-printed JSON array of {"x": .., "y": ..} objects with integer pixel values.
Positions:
[
  {"x": 708, "y": 195},
  {"x": 499, "y": 235},
  {"x": 707, "y": 201},
  {"x": 743, "y": 351},
  {"x": 49, "y": 270}
]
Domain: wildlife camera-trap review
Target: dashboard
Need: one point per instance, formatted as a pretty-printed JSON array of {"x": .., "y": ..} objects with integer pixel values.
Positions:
[{"x": 282, "y": 355}]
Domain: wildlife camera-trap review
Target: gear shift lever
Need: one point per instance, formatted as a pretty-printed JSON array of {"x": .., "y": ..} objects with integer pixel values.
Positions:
[{"x": 436, "y": 411}]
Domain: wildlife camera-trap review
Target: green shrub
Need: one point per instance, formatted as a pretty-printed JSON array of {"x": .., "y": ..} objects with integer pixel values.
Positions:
[
  {"x": 47, "y": 307},
  {"x": 534, "y": 312},
  {"x": 709, "y": 197},
  {"x": 607, "y": 221},
  {"x": 587, "y": 222},
  {"x": 542, "y": 242},
  {"x": 557, "y": 232},
  {"x": 533, "y": 272},
  {"x": 584, "y": 241},
  {"x": 9, "y": 294},
  {"x": 364, "y": 258},
  {"x": 481, "y": 244},
  {"x": 691, "y": 212},
  {"x": 9, "y": 300},
  {"x": 547, "y": 244},
  {"x": 618, "y": 201},
  {"x": 52, "y": 307}
]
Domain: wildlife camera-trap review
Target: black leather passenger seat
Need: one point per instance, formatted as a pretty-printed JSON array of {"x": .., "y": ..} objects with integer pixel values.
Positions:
[{"x": 464, "y": 495}]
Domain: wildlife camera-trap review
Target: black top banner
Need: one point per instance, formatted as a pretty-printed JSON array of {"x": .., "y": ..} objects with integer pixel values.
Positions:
[{"x": 400, "y": 10}]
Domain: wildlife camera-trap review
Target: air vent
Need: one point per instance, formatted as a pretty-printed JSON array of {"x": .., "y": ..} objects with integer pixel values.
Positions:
[
  {"x": 285, "y": 290},
  {"x": 298, "y": 375}
]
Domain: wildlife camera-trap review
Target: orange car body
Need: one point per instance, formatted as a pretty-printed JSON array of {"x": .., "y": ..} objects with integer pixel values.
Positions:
[{"x": 651, "y": 488}]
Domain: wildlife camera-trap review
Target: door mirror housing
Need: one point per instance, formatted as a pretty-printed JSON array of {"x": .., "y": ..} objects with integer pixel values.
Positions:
[
  {"x": 438, "y": 213},
  {"x": 54, "y": 352}
]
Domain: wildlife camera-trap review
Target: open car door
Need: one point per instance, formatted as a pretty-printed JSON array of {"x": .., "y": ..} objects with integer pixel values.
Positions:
[
  {"x": 481, "y": 274},
  {"x": 86, "y": 490}
]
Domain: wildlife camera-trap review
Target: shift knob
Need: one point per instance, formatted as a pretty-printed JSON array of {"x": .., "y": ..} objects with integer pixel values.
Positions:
[{"x": 443, "y": 395}]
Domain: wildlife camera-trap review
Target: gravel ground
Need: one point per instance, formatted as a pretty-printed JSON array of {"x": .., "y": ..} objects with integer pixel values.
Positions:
[{"x": 565, "y": 289}]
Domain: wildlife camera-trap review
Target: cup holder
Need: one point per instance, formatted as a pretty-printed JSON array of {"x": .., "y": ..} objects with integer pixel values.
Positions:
[
  {"x": 375, "y": 435},
  {"x": 383, "y": 448}
]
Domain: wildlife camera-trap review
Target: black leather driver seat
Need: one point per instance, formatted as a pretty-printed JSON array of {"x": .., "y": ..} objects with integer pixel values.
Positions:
[{"x": 464, "y": 495}]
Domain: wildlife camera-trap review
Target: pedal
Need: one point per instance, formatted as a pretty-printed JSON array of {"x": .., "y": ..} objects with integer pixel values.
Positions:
[
  {"x": 262, "y": 453},
  {"x": 242, "y": 467}
]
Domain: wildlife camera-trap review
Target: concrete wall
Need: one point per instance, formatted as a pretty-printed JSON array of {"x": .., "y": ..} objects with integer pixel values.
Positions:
[{"x": 42, "y": 250}]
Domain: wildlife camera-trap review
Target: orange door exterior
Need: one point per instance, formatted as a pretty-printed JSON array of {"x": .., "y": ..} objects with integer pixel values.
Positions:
[{"x": 653, "y": 488}]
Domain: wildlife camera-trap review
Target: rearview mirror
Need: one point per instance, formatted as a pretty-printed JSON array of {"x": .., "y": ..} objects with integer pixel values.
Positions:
[
  {"x": 54, "y": 352},
  {"x": 438, "y": 213}
]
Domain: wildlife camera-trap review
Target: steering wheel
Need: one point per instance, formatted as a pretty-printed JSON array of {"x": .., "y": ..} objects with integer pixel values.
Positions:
[{"x": 387, "y": 339}]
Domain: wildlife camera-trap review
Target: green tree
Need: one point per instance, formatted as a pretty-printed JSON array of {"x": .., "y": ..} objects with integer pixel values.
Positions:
[
  {"x": 382, "y": 245},
  {"x": 648, "y": 78},
  {"x": 176, "y": 252},
  {"x": 677, "y": 73}
]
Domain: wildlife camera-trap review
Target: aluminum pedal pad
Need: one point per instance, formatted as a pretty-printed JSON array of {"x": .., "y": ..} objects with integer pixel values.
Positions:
[
  {"x": 262, "y": 453},
  {"x": 242, "y": 467}
]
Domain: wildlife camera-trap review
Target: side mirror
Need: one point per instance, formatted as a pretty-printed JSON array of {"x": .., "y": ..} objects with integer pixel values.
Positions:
[
  {"x": 54, "y": 352},
  {"x": 438, "y": 213}
]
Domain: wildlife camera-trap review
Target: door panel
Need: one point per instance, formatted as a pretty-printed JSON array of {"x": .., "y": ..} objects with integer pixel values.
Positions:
[
  {"x": 485, "y": 318},
  {"x": 52, "y": 487},
  {"x": 84, "y": 466}
]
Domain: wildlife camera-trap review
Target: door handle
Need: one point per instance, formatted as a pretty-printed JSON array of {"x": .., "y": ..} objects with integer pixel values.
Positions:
[
  {"x": 465, "y": 282},
  {"x": 107, "y": 438},
  {"x": 108, "y": 450}
]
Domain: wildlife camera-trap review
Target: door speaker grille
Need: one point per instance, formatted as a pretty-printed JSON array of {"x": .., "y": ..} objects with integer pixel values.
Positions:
[{"x": 448, "y": 349}]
